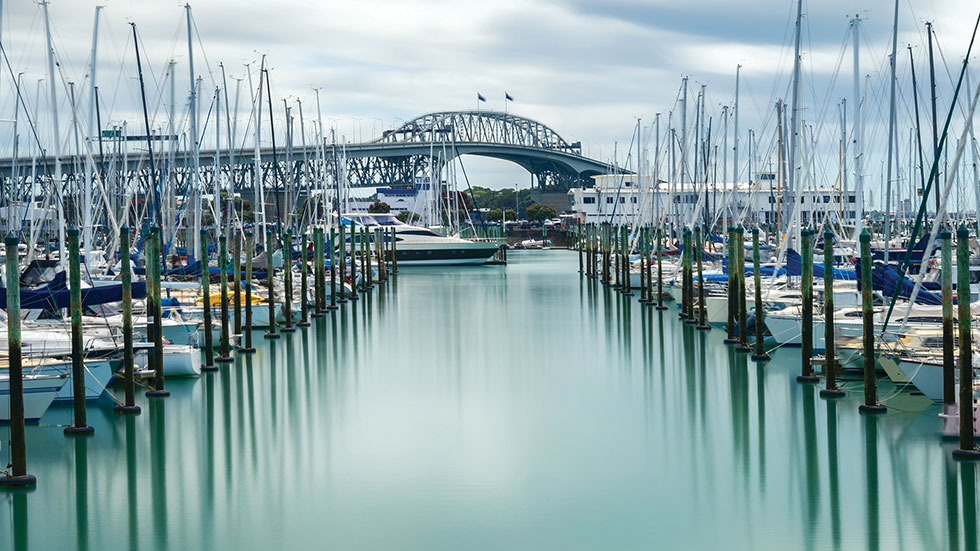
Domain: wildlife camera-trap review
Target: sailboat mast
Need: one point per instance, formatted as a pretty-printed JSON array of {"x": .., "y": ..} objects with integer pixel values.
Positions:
[
  {"x": 10, "y": 192},
  {"x": 62, "y": 258},
  {"x": 323, "y": 153},
  {"x": 935, "y": 131},
  {"x": 257, "y": 186},
  {"x": 780, "y": 168},
  {"x": 794, "y": 117},
  {"x": 195, "y": 145},
  {"x": 843, "y": 158},
  {"x": 724, "y": 170},
  {"x": 973, "y": 153},
  {"x": 639, "y": 165},
  {"x": 87, "y": 202},
  {"x": 683, "y": 135},
  {"x": 656, "y": 169},
  {"x": 738, "y": 78},
  {"x": 858, "y": 138},
  {"x": 891, "y": 137},
  {"x": 217, "y": 202},
  {"x": 154, "y": 198}
]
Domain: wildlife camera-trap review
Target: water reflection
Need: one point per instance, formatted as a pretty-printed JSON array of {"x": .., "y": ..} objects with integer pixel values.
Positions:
[
  {"x": 952, "y": 507},
  {"x": 833, "y": 473},
  {"x": 81, "y": 492},
  {"x": 810, "y": 458},
  {"x": 431, "y": 418},
  {"x": 158, "y": 461},
  {"x": 20, "y": 525},
  {"x": 968, "y": 484},
  {"x": 132, "y": 519},
  {"x": 871, "y": 471},
  {"x": 760, "y": 408}
]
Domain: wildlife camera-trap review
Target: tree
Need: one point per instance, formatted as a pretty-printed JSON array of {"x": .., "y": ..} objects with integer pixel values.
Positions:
[
  {"x": 408, "y": 217},
  {"x": 494, "y": 215},
  {"x": 538, "y": 212},
  {"x": 379, "y": 207}
]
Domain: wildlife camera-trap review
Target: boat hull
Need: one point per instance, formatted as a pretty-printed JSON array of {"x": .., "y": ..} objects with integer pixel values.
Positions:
[
  {"x": 449, "y": 254},
  {"x": 178, "y": 360},
  {"x": 97, "y": 377},
  {"x": 39, "y": 391}
]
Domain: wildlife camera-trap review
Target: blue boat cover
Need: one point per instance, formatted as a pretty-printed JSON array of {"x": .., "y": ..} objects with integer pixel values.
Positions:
[
  {"x": 885, "y": 278},
  {"x": 49, "y": 299}
]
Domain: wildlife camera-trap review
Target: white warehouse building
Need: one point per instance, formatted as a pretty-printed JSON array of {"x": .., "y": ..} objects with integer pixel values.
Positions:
[{"x": 616, "y": 198}]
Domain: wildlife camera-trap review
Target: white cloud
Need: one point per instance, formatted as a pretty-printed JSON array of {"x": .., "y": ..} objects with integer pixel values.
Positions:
[{"x": 587, "y": 69}]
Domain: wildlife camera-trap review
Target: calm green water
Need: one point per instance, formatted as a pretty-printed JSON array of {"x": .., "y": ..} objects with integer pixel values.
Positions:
[{"x": 496, "y": 408}]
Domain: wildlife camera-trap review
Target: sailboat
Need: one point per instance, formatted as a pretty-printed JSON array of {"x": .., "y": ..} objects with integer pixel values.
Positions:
[{"x": 419, "y": 246}]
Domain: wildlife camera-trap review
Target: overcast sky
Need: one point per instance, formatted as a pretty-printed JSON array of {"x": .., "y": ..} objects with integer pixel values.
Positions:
[{"x": 587, "y": 69}]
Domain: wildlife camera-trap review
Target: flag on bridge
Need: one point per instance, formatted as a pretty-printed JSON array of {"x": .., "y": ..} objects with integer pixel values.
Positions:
[
  {"x": 480, "y": 97},
  {"x": 508, "y": 96}
]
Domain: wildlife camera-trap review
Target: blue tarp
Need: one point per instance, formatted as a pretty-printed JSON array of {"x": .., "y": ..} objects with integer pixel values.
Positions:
[
  {"x": 794, "y": 262},
  {"x": 59, "y": 298},
  {"x": 885, "y": 278},
  {"x": 192, "y": 269},
  {"x": 767, "y": 271}
]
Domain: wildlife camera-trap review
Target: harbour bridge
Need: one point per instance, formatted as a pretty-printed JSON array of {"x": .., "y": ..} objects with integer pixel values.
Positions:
[{"x": 404, "y": 156}]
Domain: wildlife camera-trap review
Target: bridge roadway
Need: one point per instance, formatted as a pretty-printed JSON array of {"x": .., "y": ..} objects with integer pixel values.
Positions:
[
  {"x": 398, "y": 155},
  {"x": 532, "y": 159}
]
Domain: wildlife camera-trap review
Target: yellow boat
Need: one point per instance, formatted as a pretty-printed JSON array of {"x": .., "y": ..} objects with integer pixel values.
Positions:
[{"x": 216, "y": 299}]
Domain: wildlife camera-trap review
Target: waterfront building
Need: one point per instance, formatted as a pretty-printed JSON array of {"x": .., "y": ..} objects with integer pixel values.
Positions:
[{"x": 619, "y": 198}]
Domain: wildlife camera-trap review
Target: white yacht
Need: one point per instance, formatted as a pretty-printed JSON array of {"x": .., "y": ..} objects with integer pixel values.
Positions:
[
  {"x": 40, "y": 389},
  {"x": 417, "y": 246}
]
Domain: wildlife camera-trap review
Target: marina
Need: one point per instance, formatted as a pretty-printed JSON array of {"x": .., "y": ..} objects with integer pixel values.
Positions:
[
  {"x": 733, "y": 302},
  {"x": 551, "y": 412}
]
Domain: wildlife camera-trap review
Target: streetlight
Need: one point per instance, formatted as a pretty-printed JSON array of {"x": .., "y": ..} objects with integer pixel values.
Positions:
[{"x": 355, "y": 134}]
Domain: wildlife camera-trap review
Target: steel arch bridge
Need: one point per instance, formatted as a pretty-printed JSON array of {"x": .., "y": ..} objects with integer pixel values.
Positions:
[
  {"x": 419, "y": 149},
  {"x": 440, "y": 137}
]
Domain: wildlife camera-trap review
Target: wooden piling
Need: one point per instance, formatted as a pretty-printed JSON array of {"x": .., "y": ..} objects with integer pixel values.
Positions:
[
  {"x": 743, "y": 314},
  {"x": 206, "y": 305},
  {"x": 18, "y": 477},
  {"x": 236, "y": 254},
  {"x": 806, "y": 287},
  {"x": 732, "y": 288},
  {"x": 702, "y": 307},
  {"x": 341, "y": 265},
  {"x": 247, "y": 347},
  {"x": 319, "y": 275},
  {"x": 687, "y": 302},
  {"x": 224, "y": 352},
  {"x": 968, "y": 447},
  {"x": 949, "y": 364},
  {"x": 80, "y": 424},
  {"x": 287, "y": 279},
  {"x": 129, "y": 375},
  {"x": 660, "y": 270},
  {"x": 334, "y": 265},
  {"x": 271, "y": 284},
  {"x": 304, "y": 289},
  {"x": 353, "y": 261},
  {"x": 830, "y": 346},
  {"x": 760, "y": 352},
  {"x": 154, "y": 311},
  {"x": 649, "y": 271},
  {"x": 870, "y": 404},
  {"x": 394, "y": 252},
  {"x": 627, "y": 286},
  {"x": 366, "y": 254},
  {"x": 642, "y": 248}
]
